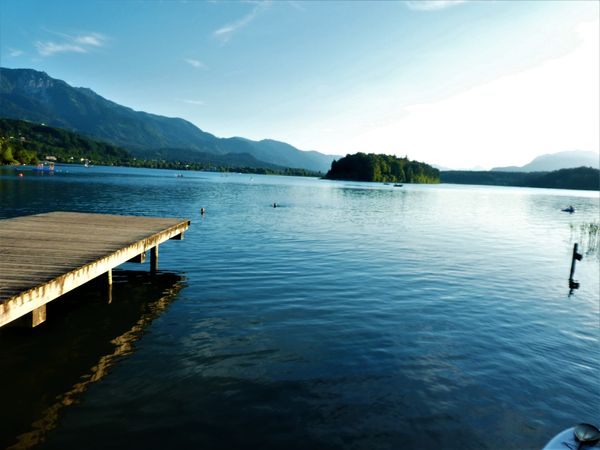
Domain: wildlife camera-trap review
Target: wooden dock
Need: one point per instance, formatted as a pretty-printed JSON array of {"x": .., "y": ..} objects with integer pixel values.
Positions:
[{"x": 47, "y": 255}]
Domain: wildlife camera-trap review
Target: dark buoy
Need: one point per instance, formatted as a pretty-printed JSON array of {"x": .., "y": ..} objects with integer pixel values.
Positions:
[
  {"x": 202, "y": 211},
  {"x": 274, "y": 205}
]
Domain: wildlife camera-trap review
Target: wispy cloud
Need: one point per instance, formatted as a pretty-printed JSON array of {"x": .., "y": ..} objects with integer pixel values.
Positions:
[
  {"x": 14, "y": 52},
  {"x": 432, "y": 5},
  {"x": 82, "y": 43},
  {"x": 192, "y": 102},
  {"x": 226, "y": 32},
  {"x": 195, "y": 63},
  {"x": 50, "y": 48},
  {"x": 92, "y": 40}
]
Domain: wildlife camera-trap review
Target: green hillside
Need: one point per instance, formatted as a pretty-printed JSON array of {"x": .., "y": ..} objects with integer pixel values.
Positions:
[{"x": 25, "y": 142}]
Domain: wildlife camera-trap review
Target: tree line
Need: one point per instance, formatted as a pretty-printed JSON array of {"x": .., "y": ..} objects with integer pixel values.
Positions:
[
  {"x": 210, "y": 167},
  {"x": 583, "y": 178}
]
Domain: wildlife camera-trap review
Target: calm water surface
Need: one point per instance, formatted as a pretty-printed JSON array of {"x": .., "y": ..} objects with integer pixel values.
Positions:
[{"x": 354, "y": 316}]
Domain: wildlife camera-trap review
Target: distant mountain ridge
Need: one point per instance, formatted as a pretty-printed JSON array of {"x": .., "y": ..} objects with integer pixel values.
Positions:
[
  {"x": 556, "y": 161},
  {"x": 27, "y": 94}
]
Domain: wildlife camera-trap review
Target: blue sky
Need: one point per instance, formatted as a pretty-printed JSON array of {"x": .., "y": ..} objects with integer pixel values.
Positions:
[{"x": 461, "y": 84}]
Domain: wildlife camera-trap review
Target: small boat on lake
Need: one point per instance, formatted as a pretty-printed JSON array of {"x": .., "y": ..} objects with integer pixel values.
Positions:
[
  {"x": 398, "y": 185},
  {"x": 570, "y": 210}
]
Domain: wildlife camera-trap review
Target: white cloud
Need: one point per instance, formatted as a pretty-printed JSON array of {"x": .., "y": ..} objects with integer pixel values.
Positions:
[
  {"x": 192, "y": 102},
  {"x": 432, "y": 5},
  {"x": 50, "y": 48},
  {"x": 71, "y": 44},
  {"x": 13, "y": 52},
  {"x": 93, "y": 40},
  {"x": 226, "y": 32},
  {"x": 552, "y": 107},
  {"x": 195, "y": 63}
]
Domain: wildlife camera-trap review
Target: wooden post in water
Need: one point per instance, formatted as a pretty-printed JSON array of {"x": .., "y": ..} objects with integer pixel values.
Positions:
[
  {"x": 576, "y": 257},
  {"x": 154, "y": 259},
  {"x": 109, "y": 285}
]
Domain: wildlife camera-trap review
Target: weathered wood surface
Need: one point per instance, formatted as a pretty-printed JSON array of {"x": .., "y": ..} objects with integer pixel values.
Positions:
[{"x": 46, "y": 255}]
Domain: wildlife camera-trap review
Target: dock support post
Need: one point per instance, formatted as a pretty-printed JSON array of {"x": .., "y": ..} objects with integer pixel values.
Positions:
[
  {"x": 30, "y": 320},
  {"x": 109, "y": 285},
  {"x": 154, "y": 259},
  {"x": 139, "y": 258},
  {"x": 38, "y": 316}
]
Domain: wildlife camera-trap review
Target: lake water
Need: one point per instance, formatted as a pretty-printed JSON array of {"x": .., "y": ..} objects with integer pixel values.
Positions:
[{"x": 353, "y": 316}]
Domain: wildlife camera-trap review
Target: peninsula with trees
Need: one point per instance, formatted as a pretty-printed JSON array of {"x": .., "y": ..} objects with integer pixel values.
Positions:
[{"x": 382, "y": 168}]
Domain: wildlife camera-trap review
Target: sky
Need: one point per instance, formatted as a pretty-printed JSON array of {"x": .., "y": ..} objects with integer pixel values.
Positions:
[{"x": 459, "y": 84}]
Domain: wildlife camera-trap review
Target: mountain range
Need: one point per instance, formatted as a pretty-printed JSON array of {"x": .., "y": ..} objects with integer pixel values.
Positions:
[
  {"x": 34, "y": 96},
  {"x": 556, "y": 161}
]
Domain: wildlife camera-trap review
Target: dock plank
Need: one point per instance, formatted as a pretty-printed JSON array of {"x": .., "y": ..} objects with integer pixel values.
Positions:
[{"x": 46, "y": 255}]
